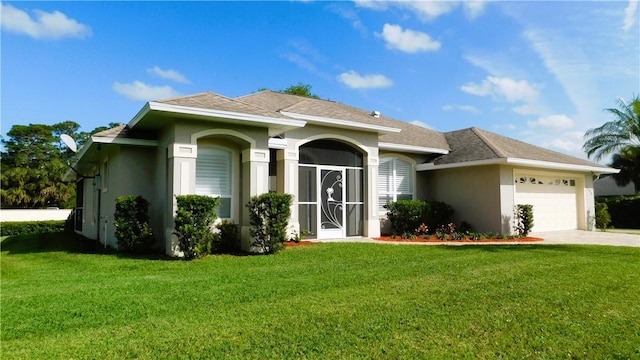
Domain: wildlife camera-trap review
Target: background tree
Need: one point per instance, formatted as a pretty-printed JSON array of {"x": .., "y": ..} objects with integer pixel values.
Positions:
[
  {"x": 34, "y": 160},
  {"x": 619, "y": 137},
  {"x": 300, "y": 89}
]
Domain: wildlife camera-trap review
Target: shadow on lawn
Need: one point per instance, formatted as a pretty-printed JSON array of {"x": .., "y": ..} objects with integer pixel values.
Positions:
[
  {"x": 521, "y": 247},
  {"x": 66, "y": 242}
]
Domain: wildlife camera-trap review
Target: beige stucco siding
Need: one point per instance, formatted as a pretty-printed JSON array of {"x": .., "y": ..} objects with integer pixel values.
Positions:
[
  {"x": 130, "y": 172},
  {"x": 473, "y": 192}
]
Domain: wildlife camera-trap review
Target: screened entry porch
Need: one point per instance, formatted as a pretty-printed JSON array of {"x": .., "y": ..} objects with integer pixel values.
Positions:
[{"x": 331, "y": 190}]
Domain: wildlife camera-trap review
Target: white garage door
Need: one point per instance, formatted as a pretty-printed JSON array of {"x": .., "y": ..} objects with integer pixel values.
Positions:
[{"x": 554, "y": 201}]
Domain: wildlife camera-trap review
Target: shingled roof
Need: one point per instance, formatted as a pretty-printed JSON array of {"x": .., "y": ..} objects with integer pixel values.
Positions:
[
  {"x": 474, "y": 144},
  {"x": 410, "y": 134},
  {"x": 213, "y": 101}
]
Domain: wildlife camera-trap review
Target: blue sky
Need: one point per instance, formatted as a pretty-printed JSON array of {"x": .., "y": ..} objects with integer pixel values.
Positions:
[{"x": 540, "y": 72}]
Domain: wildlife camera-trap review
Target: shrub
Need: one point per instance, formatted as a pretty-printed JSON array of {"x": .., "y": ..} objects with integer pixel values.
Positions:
[
  {"x": 269, "y": 215},
  {"x": 624, "y": 212},
  {"x": 603, "y": 218},
  {"x": 227, "y": 237},
  {"x": 437, "y": 214},
  {"x": 193, "y": 224},
  {"x": 405, "y": 216},
  {"x": 524, "y": 219},
  {"x": 131, "y": 221},
  {"x": 422, "y": 230},
  {"x": 13, "y": 228},
  {"x": 465, "y": 227}
]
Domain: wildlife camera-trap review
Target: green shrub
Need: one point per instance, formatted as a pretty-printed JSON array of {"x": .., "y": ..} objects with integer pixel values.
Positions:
[
  {"x": 269, "y": 215},
  {"x": 193, "y": 224},
  {"x": 437, "y": 214},
  {"x": 131, "y": 220},
  {"x": 524, "y": 219},
  {"x": 624, "y": 212},
  {"x": 603, "y": 218},
  {"x": 227, "y": 237},
  {"x": 405, "y": 216},
  {"x": 12, "y": 228}
]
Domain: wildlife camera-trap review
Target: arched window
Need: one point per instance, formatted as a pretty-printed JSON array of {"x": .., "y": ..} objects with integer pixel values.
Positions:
[
  {"x": 395, "y": 181},
  {"x": 213, "y": 176}
]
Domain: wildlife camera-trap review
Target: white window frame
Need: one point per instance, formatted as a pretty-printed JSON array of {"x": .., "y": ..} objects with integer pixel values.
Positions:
[
  {"x": 230, "y": 176},
  {"x": 104, "y": 176},
  {"x": 393, "y": 181}
]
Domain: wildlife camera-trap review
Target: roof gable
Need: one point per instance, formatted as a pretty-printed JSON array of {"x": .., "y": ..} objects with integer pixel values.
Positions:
[
  {"x": 213, "y": 101},
  {"x": 412, "y": 135},
  {"x": 474, "y": 144}
]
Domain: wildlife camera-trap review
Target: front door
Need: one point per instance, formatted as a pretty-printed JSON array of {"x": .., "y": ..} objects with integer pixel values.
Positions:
[{"x": 331, "y": 193}]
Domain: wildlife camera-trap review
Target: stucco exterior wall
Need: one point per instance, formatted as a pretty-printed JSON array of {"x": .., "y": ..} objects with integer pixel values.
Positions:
[
  {"x": 130, "y": 172},
  {"x": 473, "y": 192}
]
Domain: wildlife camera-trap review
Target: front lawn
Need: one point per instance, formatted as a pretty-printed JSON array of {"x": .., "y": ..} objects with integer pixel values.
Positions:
[{"x": 62, "y": 299}]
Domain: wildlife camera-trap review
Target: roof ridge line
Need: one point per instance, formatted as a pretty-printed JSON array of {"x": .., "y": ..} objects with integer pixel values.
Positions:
[{"x": 496, "y": 150}]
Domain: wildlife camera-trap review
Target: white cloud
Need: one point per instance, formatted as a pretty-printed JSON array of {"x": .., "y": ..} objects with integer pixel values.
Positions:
[
  {"x": 426, "y": 10},
  {"x": 409, "y": 41},
  {"x": 553, "y": 122},
  {"x": 138, "y": 90},
  {"x": 423, "y": 124},
  {"x": 467, "y": 108},
  {"x": 350, "y": 15},
  {"x": 473, "y": 9},
  {"x": 527, "y": 109},
  {"x": 502, "y": 88},
  {"x": 168, "y": 74},
  {"x": 630, "y": 17},
  {"x": 54, "y": 25},
  {"x": 354, "y": 80}
]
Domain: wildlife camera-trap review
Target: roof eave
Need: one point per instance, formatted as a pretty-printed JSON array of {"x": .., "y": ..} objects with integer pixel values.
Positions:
[
  {"x": 277, "y": 124},
  {"x": 522, "y": 162},
  {"x": 411, "y": 148}
]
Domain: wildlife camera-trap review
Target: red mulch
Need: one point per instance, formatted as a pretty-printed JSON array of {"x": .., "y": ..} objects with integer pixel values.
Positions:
[
  {"x": 433, "y": 239},
  {"x": 300, "y": 243}
]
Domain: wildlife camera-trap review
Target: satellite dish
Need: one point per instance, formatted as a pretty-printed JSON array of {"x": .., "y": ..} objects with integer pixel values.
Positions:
[{"x": 68, "y": 140}]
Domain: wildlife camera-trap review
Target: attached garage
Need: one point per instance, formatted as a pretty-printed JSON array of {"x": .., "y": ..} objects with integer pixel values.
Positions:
[{"x": 554, "y": 200}]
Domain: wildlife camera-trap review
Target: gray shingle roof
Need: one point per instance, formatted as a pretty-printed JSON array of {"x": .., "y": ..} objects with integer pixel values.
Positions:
[
  {"x": 213, "y": 101},
  {"x": 410, "y": 135},
  {"x": 475, "y": 144},
  {"x": 121, "y": 131}
]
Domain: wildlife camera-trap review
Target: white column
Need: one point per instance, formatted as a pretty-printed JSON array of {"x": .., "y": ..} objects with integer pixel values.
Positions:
[
  {"x": 287, "y": 182},
  {"x": 255, "y": 181},
  {"x": 372, "y": 221},
  {"x": 181, "y": 180}
]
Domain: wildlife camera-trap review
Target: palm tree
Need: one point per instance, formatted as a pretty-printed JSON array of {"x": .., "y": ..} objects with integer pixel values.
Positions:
[{"x": 619, "y": 137}]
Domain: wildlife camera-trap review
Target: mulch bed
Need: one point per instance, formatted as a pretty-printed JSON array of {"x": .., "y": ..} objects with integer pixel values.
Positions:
[{"x": 433, "y": 239}]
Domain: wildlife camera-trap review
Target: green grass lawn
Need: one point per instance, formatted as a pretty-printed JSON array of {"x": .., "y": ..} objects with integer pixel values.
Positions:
[{"x": 61, "y": 299}]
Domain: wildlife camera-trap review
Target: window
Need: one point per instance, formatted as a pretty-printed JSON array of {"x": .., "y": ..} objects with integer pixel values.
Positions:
[
  {"x": 395, "y": 181},
  {"x": 213, "y": 176}
]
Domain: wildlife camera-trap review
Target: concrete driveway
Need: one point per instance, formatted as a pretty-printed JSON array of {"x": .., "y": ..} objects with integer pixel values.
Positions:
[{"x": 588, "y": 238}]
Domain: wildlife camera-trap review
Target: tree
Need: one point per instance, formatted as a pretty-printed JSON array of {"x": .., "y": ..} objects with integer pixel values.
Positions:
[
  {"x": 300, "y": 90},
  {"x": 619, "y": 137}
]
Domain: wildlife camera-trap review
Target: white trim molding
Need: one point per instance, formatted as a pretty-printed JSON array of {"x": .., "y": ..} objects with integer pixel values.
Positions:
[
  {"x": 255, "y": 155},
  {"x": 522, "y": 162},
  {"x": 123, "y": 141},
  {"x": 183, "y": 151},
  {"x": 411, "y": 148},
  {"x": 212, "y": 113}
]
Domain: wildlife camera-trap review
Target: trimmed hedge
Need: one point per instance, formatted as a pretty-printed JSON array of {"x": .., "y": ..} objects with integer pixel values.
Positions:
[
  {"x": 407, "y": 216},
  {"x": 269, "y": 215},
  {"x": 194, "y": 225},
  {"x": 12, "y": 228},
  {"x": 131, "y": 221}
]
